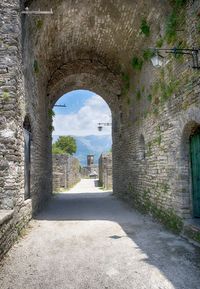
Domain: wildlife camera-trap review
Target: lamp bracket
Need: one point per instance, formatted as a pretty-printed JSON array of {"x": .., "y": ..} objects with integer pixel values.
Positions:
[
  {"x": 184, "y": 51},
  {"x": 38, "y": 12}
]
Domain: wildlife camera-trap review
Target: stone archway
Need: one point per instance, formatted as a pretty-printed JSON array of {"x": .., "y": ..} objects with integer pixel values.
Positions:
[
  {"x": 98, "y": 45},
  {"x": 80, "y": 46}
]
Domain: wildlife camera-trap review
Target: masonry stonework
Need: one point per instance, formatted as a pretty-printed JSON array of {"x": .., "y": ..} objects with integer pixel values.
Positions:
[
  {"x": 105, "y": 171},
  {"x": 99, "y": 45},
  {"x": 15, "y": 211},
  {"x": 66, "y": 172}
]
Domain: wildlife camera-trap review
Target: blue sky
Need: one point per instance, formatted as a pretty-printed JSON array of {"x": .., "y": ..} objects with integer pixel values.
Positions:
[
  {"x": 74, "y": 100},
  {"x": 84, "y": 109}
]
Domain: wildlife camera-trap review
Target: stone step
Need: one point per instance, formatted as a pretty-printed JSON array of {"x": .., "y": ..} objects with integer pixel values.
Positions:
[{"x": 191, "y": 231}]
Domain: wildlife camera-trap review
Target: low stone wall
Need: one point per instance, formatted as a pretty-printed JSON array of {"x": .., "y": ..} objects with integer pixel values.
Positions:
[
  {"x": 66, "y": 171},
  {"x": 11, "y": 224},
  {"x": 105, "y": 170}
]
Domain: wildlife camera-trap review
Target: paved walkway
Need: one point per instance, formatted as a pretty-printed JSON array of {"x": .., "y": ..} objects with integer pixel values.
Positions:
[{"x": 86, "y": 238}]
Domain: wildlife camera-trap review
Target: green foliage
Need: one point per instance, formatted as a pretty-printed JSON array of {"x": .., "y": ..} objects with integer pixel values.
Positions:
[
  {"x": 125, "y": 82},
  {"x": 56, "y": 150},
  {"x": 167, "y": 89},
  {"x": 6, "y": 95},
  {"x": 137, "y": 63},
  {"x": 51, "y": 128},
  {"x": 178, "y": 3},
  {"x": 159, "y": 42},
  {"x": 128, "y": 101},
  {"x": 166, "y": 216},
  {"x": 180, "y": 44},
  {"x": 51, "y": 113},
  {"x": 65, "y": 145},
  {"x": 36, "y": 67},
  {"x": 192, "y": 233},
  {"x": 198, "y": 26},
  {"x": 138, "y": 95},
  {"x": 149, "y": 97},
  {"x": 145, "y": 28},
  {"x": 162, "y": 91},
  {"x": 175, "y": 20},
  {"x": 171, "y": 27},
  {"x": 148, "y": 54},
  {"x": 155, "y": 110},
  {"x": 149, "y": 149},
  {"x": 39, "y": 23}
]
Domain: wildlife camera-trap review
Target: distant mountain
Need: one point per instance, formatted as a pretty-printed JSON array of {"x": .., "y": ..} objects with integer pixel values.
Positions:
[{"x": 92, "y": 144}]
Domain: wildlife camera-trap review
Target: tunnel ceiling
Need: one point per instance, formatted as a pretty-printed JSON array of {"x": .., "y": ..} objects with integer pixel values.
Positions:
[
  {"x": 106, "y": 29},
  {"x": 105, "y": 32}
]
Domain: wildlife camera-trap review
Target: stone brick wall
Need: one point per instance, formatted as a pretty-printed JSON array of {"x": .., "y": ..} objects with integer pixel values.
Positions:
[
  {"x": 66, "y": 172},
  {"x": 155, "y": 131},
  {"x": 15, "y": 212},
  {"x": 11, "y": 106},
  {"x": 105, "y": 170}
]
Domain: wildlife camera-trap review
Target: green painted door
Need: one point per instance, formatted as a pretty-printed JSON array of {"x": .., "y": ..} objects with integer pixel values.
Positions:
[{"x": 195, "y": 166}]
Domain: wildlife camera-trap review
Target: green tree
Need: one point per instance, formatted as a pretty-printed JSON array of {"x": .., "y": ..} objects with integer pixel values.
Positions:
[{"x": 64, "y": 145}]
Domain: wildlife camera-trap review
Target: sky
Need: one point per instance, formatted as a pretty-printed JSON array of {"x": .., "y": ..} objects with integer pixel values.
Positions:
[{"x": 84, "y": 110}]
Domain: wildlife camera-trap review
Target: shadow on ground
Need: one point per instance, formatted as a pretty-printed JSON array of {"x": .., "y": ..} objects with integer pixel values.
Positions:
[{"x": 171, "y": 254}]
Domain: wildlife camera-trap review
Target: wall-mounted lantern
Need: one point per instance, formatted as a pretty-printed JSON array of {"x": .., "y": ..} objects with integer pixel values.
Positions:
[{"x": 158, "y": 60}]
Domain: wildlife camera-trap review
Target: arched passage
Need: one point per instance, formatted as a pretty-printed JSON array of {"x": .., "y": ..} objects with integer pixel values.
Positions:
[
  {"x": 83, "y": 110},
  {"x": 83, "y": 45},
  {"x": 88, "y": 75}
]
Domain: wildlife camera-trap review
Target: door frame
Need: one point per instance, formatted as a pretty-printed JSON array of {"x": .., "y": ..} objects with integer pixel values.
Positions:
[{"x": 27, "y": 164}]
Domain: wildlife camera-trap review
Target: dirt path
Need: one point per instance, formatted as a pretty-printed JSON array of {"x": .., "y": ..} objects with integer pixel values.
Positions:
[{"x": 86, "y": 238}]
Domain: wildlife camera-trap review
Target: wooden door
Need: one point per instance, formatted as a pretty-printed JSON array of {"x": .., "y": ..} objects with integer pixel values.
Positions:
[{"x": 195, "y": 168}]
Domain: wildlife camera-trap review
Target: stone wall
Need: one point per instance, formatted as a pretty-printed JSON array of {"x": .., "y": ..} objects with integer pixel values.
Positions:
[
  {"x": 66, "y": 172},
  {"x": 15, "y": 211},
  {"x": 161, "y": 112},
  {"x": 105, "y": 170}
]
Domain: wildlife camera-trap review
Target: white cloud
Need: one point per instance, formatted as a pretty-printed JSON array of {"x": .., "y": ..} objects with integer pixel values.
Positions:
[{"x": 85, "y": 121}]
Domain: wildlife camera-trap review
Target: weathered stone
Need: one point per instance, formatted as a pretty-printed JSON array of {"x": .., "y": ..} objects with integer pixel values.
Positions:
[
  {"x": 105, "y": 170},
  {"x": 91, "y": 45},
  {"x": 66, "y": 172}
]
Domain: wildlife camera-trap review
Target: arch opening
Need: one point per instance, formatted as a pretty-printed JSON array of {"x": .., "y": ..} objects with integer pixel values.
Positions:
[{"x": 76, "y": 116}]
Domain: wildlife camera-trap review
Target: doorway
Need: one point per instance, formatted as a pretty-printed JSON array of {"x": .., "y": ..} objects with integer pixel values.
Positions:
[{"x": 195, "y": 170}]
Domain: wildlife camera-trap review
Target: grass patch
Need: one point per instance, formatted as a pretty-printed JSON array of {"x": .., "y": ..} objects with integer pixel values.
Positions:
[
  {"x": 149, "y": 97},
  {"x": 148, "y": 54},
  {"x": 137, "y": 63},
  {"x": 165, "y": 216},
  {"x": 159, "y": 42},
  {"x": 145, "y": 28},
  {"x": 175, "y": 21},
  {"x": 125, "y": 82}
]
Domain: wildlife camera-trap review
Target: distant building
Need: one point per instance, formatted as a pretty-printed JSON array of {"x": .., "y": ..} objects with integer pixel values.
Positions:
[
  {"x": 91, "y": 170},
  {"x": 105, "y": 170},
  {"x": 90, "y": 160}
]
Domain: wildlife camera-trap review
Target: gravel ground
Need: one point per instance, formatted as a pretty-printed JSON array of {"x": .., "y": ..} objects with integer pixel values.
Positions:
[{"x": 86, "y": 238}]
